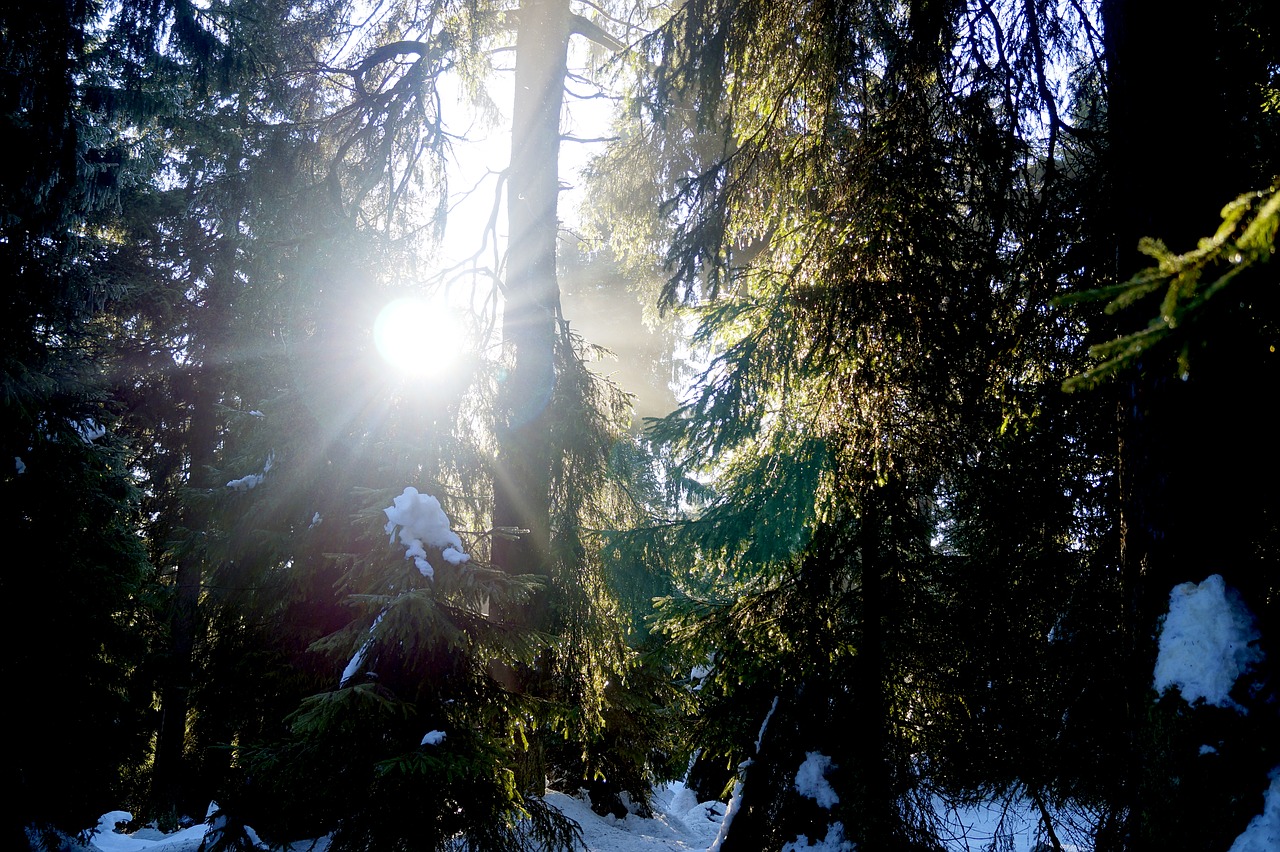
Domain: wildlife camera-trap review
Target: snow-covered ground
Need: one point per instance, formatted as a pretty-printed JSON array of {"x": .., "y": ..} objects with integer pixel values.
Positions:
[
  {"x": 679, "y": 824},
  {"x": 682, "y": 824},
  {"x": 1207, "y": 642}
]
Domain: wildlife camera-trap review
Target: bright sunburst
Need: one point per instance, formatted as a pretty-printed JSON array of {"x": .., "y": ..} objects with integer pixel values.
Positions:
[{"x": 418, "y": 336}]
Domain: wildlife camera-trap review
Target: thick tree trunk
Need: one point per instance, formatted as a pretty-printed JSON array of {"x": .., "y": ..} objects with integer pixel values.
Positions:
[
  {"x": 1144, "y": 85},
  {"x": 1175, "y": 162},
  {"x": 522, "y": 483},
  {"x": 874, "y": 777},
  {"x": 170, "y": 782},
  {"x": 772, "y": 811},
  {"x": 1192, "y": 460},
  {"x": 521, "y": 498},
  {"x": 175, "y": 789}
]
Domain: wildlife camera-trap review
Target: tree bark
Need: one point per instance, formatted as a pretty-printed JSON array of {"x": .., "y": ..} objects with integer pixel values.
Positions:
[
  {"x": 521, "y": 489},
  {"x": 874, "y": 778},
  {"x": 170, "y": 787},
  {"x": 175, "y": 791},
  {"x": 522, "y": 483}
]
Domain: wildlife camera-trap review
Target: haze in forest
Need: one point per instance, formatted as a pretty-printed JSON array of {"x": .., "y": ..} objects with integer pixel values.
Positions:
[{"x": 816, "y": 426}]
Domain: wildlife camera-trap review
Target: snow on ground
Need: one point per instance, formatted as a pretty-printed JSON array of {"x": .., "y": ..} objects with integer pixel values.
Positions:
[
  {"x": 682, "y": 824},
  {"x": 679, "y": 824},
  {"x": 108, "y": 840}
]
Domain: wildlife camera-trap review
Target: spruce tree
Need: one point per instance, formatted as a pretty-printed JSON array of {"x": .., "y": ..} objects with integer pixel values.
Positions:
[
  {"x": 79, "y": 576},
  {"x": 873, "y": 228},
  {"x": 311, "y": 194},
  {"x": 552, "y": 425}
]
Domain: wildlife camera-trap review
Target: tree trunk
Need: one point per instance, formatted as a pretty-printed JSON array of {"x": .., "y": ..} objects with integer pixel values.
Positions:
[
  {"x": 522, "y": 481},
  {"x": 1145, "y": 177},
  {"x": 1192, "y": 462},
  {"x": 771, "y": 811},
  {"x": 874, "y": 778},
  {"x": 175, "y": 789},
  {"x": 521, "y": 489},
  {"x": 170, "y": 787}
]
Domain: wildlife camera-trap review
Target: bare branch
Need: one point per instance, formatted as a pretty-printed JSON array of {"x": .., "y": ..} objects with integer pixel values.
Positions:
[{"x": 594, "y": 33}]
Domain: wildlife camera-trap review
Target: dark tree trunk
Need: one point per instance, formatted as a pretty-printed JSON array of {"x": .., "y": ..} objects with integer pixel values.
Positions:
[
  {"x": 1192, "y": 458},
  {"x": 874, "y": 778},
  {"x": 521, "y": 498},
  {"x": 772, "y": 812},
  {"x": 175, "y": 789},
  {"x": 522, "y": 482},
  {"x": 170, "y": 783},
  {"x": 1176, "y": 158}
]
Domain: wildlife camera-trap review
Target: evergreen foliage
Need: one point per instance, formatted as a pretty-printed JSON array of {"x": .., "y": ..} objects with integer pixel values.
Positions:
[
  {"x": 876, "y": 231},
  {"x": 294, "y": 214},
  {"x": 926, "y": 480},
  {"x": 78, "y": 576},
  {"x": 1245, "y": 238}
]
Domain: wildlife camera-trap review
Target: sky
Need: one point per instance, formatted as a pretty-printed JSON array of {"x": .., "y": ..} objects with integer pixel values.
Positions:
[{"x": 1207, "y": 642}]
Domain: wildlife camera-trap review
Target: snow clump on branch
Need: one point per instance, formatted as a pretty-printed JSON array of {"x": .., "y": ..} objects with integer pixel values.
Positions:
[
  {"x": 1205, "y": 643},
  {"x": 421, "y": 523},
  {"x": 811, "y": 780}
]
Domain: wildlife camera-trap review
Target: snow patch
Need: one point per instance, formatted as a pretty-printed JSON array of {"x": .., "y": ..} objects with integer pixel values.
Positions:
[
  {"x": 357, "y": 661},
  {"x": 811, "y": 780},
  {"x": 253, "y": 480},
  {"x": 735, "y": 801},
  {"x": 1205, "y": 643},
  {"x": 420, "y": 522},
  {"x": 1263, "y": 832},
  {"x": 246, "y": 483},
  {"x": 833, "y": 842},
  {"x": 765, "y": 724}
]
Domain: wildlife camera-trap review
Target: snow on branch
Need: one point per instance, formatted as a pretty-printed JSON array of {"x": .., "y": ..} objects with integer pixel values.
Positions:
[
  {"x": 420, "y": 523},
  {"x": 253, "y": 480},
  {"x": 1206, "y": 643},
  {"x": 811, "y": 780}
]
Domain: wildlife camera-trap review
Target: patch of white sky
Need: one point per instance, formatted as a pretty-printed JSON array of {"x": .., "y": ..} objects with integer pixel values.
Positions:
[
  {"x": 998, "y": 30},
  {"x": 476, "y": 223}
]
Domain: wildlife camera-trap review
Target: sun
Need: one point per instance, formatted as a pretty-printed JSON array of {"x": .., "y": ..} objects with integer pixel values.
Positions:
[{"x": 418, "y": 336}]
